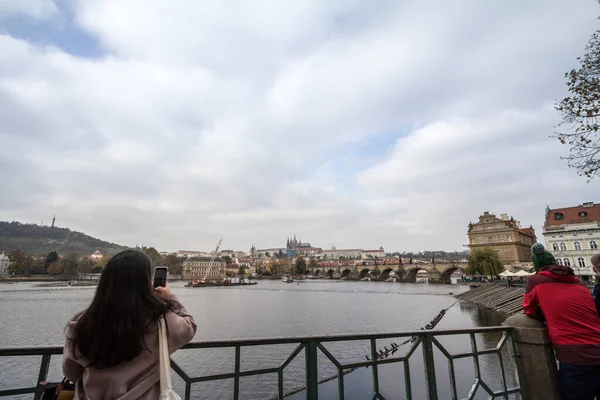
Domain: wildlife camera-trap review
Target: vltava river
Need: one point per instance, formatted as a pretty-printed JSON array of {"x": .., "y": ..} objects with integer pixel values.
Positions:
[{"x": 36, "y": 316}]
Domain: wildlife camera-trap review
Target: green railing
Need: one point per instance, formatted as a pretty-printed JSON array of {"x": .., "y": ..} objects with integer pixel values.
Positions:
[{"x": 428, "y": 340}]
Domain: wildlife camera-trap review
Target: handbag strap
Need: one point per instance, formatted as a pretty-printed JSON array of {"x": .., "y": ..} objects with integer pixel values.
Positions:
[{"x": 164, "y": 359}]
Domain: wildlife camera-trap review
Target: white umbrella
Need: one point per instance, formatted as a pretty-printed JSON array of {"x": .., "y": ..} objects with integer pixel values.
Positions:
[
  {"x": 522, "y": 273},
  {"x": 507, "y": 273}
]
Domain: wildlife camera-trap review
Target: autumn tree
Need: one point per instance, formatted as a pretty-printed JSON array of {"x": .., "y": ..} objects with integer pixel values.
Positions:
[
  {"x": 275, "y": 267},
  {"x": 102, "y": 262},
  {"x": 300, "y": 266},
  {"x": 50, "y": 258},
  {"x": 484, "y": 262},
  {"x": 580, "y": 112},
  {"x": 20, "y": 262},
  {"x": 174, "y": 263},
  {"x": 69, "y": 264},
  {"x": 85, "y": 265},
  {"x": 55, "y": 268},
  {"x": 153, "y": 255}
]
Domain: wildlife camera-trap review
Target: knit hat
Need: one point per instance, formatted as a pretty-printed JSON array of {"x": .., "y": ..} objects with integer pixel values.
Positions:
[{"x": 541, "y": 257}]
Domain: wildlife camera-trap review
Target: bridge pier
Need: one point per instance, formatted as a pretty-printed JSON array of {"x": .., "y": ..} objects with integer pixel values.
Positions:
[{"x": 434, "y": 276}]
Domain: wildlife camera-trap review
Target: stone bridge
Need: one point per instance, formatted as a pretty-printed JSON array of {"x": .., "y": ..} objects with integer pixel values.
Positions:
[{"x": 436, "y": 273}]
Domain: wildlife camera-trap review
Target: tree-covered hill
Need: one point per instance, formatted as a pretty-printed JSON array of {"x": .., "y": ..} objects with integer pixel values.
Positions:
[{"x": 40, "y": 240}]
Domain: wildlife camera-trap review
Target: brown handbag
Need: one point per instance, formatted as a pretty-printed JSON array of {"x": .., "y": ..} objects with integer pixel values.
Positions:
[{"x": 64, "y": 390}]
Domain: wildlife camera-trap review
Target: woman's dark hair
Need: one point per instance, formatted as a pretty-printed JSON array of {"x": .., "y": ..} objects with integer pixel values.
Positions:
[{"x": 125, "y": 308}]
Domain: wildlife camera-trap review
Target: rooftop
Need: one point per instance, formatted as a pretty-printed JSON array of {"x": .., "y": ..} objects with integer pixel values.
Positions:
[
  {"x": 583, "y": 213},
  {"x": 204, "y": 259}
]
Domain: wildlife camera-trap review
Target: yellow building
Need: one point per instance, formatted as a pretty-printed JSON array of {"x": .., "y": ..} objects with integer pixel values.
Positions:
[{"x": 503, "y": 235}]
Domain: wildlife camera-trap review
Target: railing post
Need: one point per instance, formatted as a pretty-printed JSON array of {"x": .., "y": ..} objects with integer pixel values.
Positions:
[
  {"x": 236, "y": 379},
  {"x": 429, "y": 367},
  {"x": 312, "y": 380},
  {"x": 43, "y": 375},
  {"x": 538, "y": 374}
]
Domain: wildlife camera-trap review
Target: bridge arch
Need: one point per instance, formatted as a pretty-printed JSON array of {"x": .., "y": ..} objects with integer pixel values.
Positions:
[
  {"x": 447, "y": 273},
  {"x": 330, "y": 274},
  {"x": 346, "y": 273},
  {"x": 316, "y": 273},
  {"x": 365, "y": 273},
  {"x": 387, "y": 273},
  {"x": 411, "y": 274}
]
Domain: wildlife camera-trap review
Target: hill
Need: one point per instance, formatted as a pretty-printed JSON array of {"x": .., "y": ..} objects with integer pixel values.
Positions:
[{"x": 38, "y": 239}]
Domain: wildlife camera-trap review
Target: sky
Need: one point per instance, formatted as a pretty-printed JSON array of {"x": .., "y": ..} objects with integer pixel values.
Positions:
[{"x": 347, "y": 123}]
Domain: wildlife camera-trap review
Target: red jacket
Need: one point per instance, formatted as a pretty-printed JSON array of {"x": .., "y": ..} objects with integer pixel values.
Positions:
[{"x": 566, "y": 304}]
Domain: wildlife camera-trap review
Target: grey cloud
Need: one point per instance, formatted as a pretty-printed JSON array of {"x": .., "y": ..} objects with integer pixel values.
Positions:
[{"x": 203, "y": 123}]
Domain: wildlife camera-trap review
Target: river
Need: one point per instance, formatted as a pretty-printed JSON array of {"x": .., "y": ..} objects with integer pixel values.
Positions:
[{"x": 36, "y": 316}]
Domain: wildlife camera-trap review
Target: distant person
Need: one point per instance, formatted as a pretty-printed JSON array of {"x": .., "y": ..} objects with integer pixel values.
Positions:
[
  {"x": 596, "y": 292},
  {"x": 111, "y": 350},
  {"x": 556, "y": 296}
]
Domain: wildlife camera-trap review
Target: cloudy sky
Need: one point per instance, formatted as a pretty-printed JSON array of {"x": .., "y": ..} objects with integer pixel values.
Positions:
[{"x": 348, "y": 123}]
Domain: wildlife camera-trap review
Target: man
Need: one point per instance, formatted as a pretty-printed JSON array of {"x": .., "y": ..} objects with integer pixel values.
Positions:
[
  {"x": 596, "y": 267},
  {"x": 554, "y": 294}
]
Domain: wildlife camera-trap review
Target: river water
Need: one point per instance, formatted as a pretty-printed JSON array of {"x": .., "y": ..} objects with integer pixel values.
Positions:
[{"x": 36, "y": 316}]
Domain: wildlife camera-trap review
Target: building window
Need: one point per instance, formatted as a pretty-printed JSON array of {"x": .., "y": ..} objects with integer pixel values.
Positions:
[
  {"x": 563, "y": 247},
  {"x": 555, "y": 246},
  {"x": 490, "y": 240},
  {"x": 577, "y": 245},
  {"x": 581, "y": 262},
  {"x": 593, "y": 245},
  {"x": 567, "y": 262},
  {"x": 582, "y": 214},
  {"x": 558, "y": 216},
  {"x": 559, "y": 261}
]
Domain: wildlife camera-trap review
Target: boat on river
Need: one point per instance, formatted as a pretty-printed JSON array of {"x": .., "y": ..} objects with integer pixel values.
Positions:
[
  {"x": 287, "y": 279},
  {"x": 224, "y": 282}
]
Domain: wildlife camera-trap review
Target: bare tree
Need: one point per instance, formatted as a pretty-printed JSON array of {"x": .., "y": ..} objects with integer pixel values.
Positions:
[{"x": 580, "y": 111}]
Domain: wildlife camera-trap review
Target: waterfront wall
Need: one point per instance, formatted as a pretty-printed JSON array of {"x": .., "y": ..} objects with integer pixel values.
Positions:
[
  {"x": 538, "y": 373},
  {"x": 502, "y": 298}
]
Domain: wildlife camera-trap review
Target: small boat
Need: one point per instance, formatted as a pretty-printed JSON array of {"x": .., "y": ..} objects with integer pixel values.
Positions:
[{"x": 287, "y": 279}]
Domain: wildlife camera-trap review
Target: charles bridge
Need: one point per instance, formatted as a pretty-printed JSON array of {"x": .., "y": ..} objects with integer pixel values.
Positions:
[{"x": 436, "y": 273}]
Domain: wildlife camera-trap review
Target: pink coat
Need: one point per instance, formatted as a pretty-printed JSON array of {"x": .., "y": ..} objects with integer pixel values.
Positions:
[{"x": 131, "y": 380}]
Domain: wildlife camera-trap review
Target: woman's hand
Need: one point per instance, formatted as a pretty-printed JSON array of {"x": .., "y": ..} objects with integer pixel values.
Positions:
[{"x": 164, "y": 291}]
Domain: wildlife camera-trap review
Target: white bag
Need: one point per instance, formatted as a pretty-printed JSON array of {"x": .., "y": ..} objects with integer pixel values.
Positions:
[{"x": 166, "y": 388}]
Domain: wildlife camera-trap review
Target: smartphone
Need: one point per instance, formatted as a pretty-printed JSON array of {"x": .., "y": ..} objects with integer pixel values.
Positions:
[{"x": 160, "y": 276}]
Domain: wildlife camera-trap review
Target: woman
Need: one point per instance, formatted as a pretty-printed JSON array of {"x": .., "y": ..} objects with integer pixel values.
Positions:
[{"x": 111, "y": 350}]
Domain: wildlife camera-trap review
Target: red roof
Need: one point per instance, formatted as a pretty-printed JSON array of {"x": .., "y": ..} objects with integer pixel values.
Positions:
[
  {"x": 571, "y": 215},
  {"x": 527, "y": 231}
]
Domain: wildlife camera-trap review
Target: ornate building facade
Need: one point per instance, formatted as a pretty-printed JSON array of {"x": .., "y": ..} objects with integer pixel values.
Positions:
[
  {"x": 203, "y": 268},
  {"x": 572, "y": 235},
  {"x": 503, "y": 235}
]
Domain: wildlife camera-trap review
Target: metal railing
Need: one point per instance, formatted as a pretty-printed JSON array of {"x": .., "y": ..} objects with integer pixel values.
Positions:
[{"x": 428, "y": 340}]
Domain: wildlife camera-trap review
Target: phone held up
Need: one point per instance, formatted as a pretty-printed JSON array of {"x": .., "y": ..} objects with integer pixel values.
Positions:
[{"x": 160, "y": 276}]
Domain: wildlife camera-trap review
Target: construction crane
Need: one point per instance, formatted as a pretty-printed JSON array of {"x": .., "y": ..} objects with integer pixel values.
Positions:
[{"x": 213, "y": 258}]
